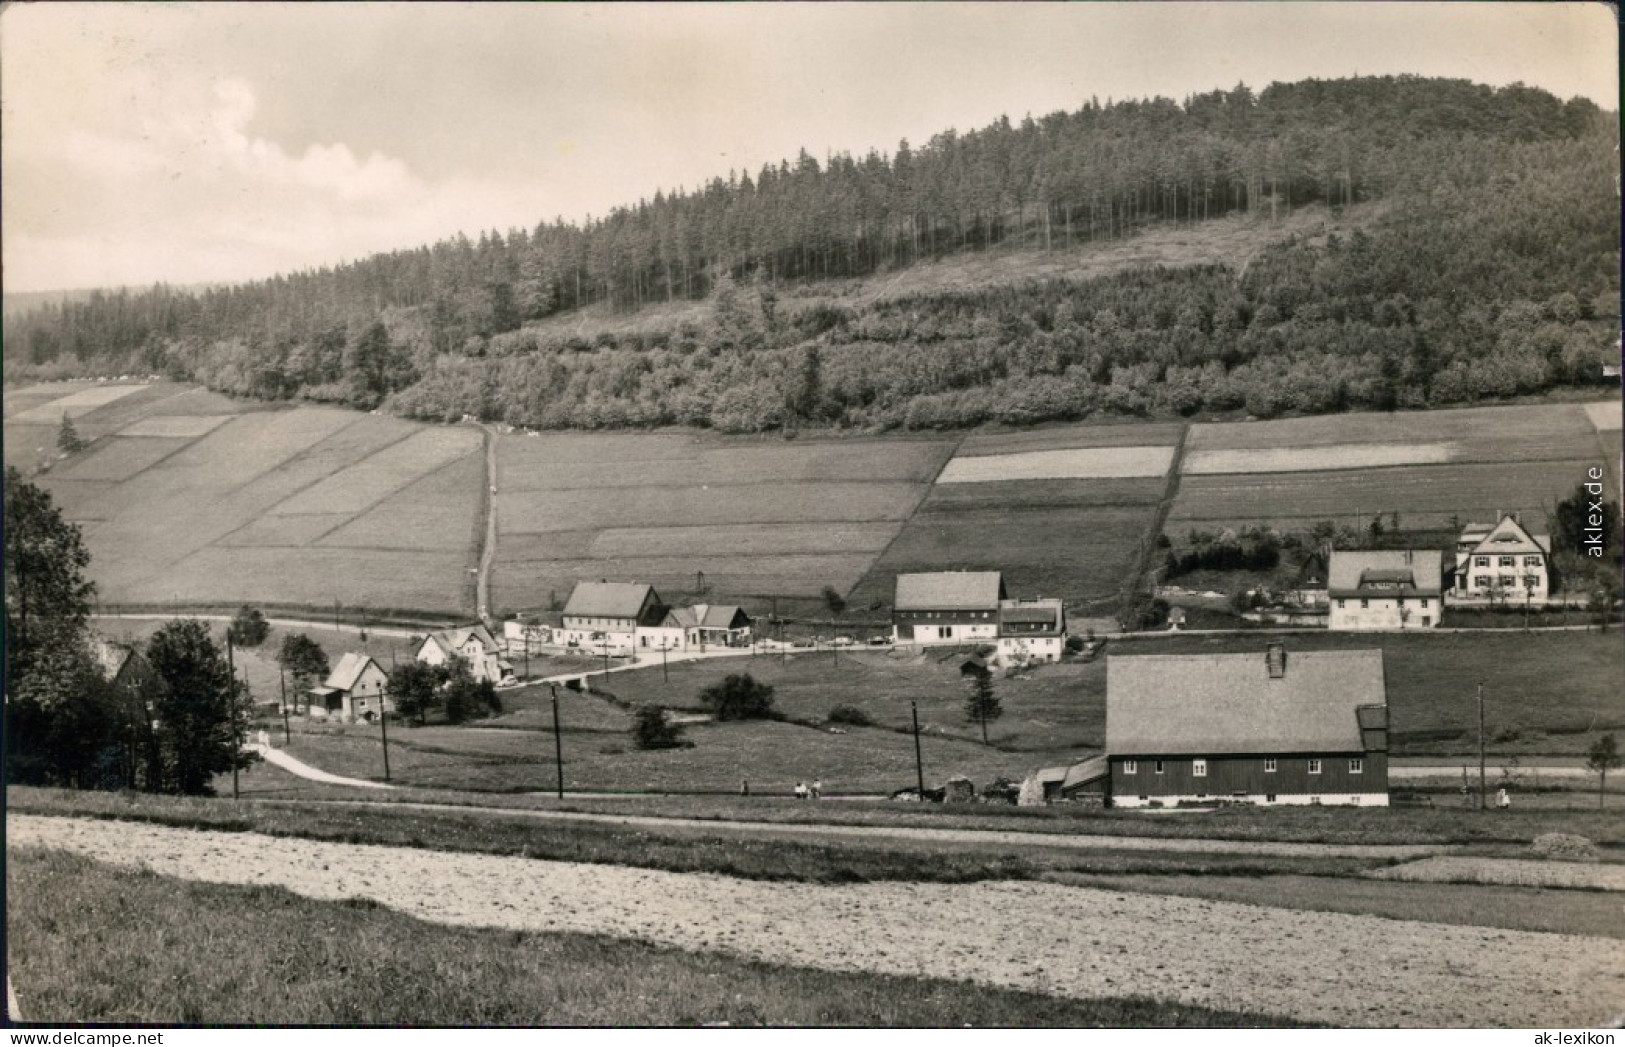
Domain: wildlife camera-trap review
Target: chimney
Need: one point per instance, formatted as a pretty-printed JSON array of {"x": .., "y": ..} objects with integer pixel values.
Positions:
[
  {"x": 1275, "y": 659},
  {"x": 1408, "y": 559}
]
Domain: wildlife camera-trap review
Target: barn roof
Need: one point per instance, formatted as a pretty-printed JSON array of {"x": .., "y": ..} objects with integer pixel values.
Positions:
[
  {"x": 110, "y": 657},
  {"x": 1090, "y": 770},
  {"x": 1229, "y": 704},
  {"x": 705, "y": 616},
  {"x": 949, "y": 591},
  {"x": 1409, "y": 572},
  {"x": 348, "y": 671},
  {"x": 608, "y": 599}
]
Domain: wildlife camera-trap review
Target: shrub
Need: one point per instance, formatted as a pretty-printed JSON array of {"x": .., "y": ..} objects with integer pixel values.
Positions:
[
  {"x": 651, "y": 730},
  {"x": 249, "y": 628},
  {"x": 739, "y": 697},
  {"x": 850, "y": 714},
  {"x": 1565, "y": 847}
]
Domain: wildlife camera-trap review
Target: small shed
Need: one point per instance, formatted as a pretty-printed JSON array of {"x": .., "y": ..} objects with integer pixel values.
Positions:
[{"x": 959, "y": 790}]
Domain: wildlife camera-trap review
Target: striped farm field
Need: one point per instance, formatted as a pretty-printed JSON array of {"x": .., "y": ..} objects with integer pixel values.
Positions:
[
  {"x": 755, "y": 579},
  {"x": 1533, "y": 426},
  {"x": 1065, "y": 464},
  {"x": 192, "y": 498},
  {"x": 530, "y": 512},
  {"x": 1065, "y": 437},
  {"x": 1422, "y": 495},
  {"x": 1313, "y": 459}
]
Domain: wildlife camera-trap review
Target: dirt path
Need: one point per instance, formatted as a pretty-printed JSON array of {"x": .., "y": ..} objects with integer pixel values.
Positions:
[
  {"x": 1078, "y": 841},
  {"x": 302, "y": 769},
  {"x": 488, "y": 544},
  {"x": 1348, "y": 970}
]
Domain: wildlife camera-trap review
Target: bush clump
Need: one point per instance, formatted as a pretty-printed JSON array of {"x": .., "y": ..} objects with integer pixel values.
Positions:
[
  {"x": 1565, "y": 847},
  {"x": 850, "y": 715}
]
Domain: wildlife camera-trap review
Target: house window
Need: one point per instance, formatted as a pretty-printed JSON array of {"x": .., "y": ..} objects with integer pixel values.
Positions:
[
  {"x": 1199, "y": 768},
  {"x": 1269, "y": 797},
  {"x": 945, "y": 632},
  {"x": 1341, "y": 604},
  {"x": 1159, "y": 767},
  {"x": 1365, "y": 604},
  {"x": 1531, "y": 582},
  {"x": 1481, "y": 581},
  {"x": 1531, "y": 561},
  {"x": 1269, "y": 765},
  {"x": 1130, "y": 767},
  {"x": 1427, "y": 620},
  {"x": 1355, "y": 800},
  {"x": 1481, "y": 561},
  {"x": 1356, "y": 766},
  {"x": 1314, "y": 766},
  {"x": 1506, "y": 581},
  {"x": 1508, "y": 561},
  {"x": 1424, "y": 601}
]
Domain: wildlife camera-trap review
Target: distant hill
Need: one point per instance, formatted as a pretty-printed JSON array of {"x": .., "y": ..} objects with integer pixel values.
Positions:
[{"x": 1319, "y": 246}]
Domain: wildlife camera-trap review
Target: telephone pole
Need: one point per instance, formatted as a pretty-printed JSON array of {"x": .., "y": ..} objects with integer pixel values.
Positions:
[
  {"x": 236, "y": 721},
  {"x": 919, "y": 763},
  {"x": 1481, "y": 745},
  {"x": 383, "y": 727},
  {"x": 558, "y": 745},
  {"x": 282, "y": 679}
]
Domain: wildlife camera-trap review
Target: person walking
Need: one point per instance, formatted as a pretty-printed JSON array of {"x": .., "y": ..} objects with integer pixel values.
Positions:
[
  {"x": 744, "y": 787},
  {"x": 801, "y": 790},
  {"x": 1503, "y": 800},
  {"x": 818, "y": 788}
]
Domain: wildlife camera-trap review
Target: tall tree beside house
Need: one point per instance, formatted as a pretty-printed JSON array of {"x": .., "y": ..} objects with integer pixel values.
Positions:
[
  {"x": 67, "y": 437},
  {"x": 834, "y": 602},
  {"x": 60, "y": 720},
  {"x": 201, "y": 711},
  {"x": 304, "y": 659},
  {"x": 982, "y": 705},
  {"x": 1602, "y": 757},
  {"x": 415, "y": 689},
  {"x": 465, "y": 698}
]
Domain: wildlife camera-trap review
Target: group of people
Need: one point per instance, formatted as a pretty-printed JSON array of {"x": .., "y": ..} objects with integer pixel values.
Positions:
[{"x": 814, "y": 791}]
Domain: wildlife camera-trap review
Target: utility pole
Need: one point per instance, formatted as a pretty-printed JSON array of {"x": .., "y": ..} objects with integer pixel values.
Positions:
[
  {"x": 558, "y": 745},
  {"x": 1481, "y": 785},
  {"x": 604, "y": 646},
  {"x": 665, "y": 677},
  {"x": 919, "y": 763},
  {"x": 383, "y": 727},
  {"x": 236, "y": 723},
  {"x": 287, "y": 732}
]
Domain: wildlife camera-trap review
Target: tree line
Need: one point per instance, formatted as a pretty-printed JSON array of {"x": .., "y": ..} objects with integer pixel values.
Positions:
[{"x": 1490, "y": 269}]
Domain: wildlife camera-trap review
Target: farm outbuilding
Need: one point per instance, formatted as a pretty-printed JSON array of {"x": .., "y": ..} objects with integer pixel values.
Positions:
[
  {"x": 697, "y": 627},
  {"x": 947, "y": 607},
  {"x": 1385, "y": 589},
  {"x": 1083, "y": 782},
  {"x": 1267, "y": 728}
]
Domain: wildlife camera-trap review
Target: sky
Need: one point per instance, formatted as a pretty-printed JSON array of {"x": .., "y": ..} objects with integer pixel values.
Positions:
[{"x": 218, "y": 142}]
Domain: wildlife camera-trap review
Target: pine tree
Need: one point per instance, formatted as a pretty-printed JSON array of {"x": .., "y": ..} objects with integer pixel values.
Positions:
[
  {"x": 67, "y": 437},
  {"x": 982, "y": 705}
]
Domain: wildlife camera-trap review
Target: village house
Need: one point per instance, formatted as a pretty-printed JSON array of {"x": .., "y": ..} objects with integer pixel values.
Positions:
[
  {"x": 1309, "y": 582},
  {"x": 1501, "y": 563},
  {"x": 356, "y": 689},
  {"x": 947, "y": 607},
  {"x": 1031, "y": 630},
  {"x": 698, "y": 627},
  {"x": 1267, "y": 728},
  {"x": 125, "y": 670},
  {"x": 472, "y": 643},
  {"x": 1385, "y": 589},
  {"x": 607, "y": 615}
]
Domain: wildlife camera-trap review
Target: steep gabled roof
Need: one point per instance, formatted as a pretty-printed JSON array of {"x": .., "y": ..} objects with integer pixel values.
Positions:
[
  {"x": 706, "y": 616},
  {"x": 1398, "y": 572},
  {"x": 1091, "y": 770},
  {"x": 348, "y": 671},
  {"x": 949, "y": 591},
  {"x": 110, "y": 657},
  {"x": 1048, "y": 613},
  {"x": 1509, "y": 538},
  {"x": 608, "y": 599},
  {"x": 1219, "y": 704}
]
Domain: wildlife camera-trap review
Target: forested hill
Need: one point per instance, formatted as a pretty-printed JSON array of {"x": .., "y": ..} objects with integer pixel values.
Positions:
[{"x": 1483, "y": 261}]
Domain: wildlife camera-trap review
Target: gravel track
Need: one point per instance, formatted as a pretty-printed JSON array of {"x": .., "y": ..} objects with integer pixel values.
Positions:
[{"x": 1081, "y": 942}]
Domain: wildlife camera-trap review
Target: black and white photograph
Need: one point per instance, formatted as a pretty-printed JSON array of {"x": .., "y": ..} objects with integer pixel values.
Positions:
[{"x": 991, "y": 516}]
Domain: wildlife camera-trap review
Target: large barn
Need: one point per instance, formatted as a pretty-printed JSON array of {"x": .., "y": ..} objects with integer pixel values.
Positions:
[
  {"x": 1275, "y": 727},
  {"x": 947, "y": 607}
]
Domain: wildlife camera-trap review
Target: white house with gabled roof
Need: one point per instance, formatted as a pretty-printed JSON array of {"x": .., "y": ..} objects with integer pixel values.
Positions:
[
  {"x": 474, "y": 644},
  {"x": 1502, "y": 562},
  {"x": 607, "y": 615},
  {"x": 356, "y": 689},
  {"x": 1385, "y": 589}
]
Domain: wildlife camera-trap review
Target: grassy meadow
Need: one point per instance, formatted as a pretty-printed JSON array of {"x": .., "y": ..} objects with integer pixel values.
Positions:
[{"x": 265, "y": 956}]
